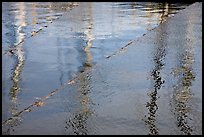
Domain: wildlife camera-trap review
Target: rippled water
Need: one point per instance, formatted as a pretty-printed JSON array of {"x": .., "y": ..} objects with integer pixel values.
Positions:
[{"x": 44, "y": 45}]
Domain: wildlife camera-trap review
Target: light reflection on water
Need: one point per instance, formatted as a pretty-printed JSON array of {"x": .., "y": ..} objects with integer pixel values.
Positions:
[{"x": 117, "y": 24}]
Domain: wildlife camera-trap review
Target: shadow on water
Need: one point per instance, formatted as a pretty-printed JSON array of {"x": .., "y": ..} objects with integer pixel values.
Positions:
[{"x": 158, "y": 60}]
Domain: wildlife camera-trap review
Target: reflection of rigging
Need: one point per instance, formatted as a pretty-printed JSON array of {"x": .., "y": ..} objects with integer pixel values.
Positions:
[{"x": 155, "y": 74}]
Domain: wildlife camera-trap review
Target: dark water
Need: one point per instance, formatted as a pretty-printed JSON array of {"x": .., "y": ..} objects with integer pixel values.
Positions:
[{"x": 44, "y": 45}]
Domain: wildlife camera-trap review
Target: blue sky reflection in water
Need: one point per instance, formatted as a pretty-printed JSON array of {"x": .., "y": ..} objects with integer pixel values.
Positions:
[{"x": 45, "y": 45}]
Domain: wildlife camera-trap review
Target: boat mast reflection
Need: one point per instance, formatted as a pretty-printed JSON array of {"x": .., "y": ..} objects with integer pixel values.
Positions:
[
  {"x": 79, "y": 121},
  {"x": 20, "y": 22},
  {"x": 158, "y": 60}
]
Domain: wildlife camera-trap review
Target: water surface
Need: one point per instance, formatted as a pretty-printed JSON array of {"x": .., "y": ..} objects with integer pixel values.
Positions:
[{"x": 44, "y": 45}]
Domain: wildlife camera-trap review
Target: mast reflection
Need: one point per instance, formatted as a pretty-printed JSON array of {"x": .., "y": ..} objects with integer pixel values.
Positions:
[
  {"x": 20, "y": 22},
  {"x": 158, "y": 60},
  {"x": 158, "y": 82},
  {"x": 79, "y": 121},
  {"x": 19, "y": 53}
]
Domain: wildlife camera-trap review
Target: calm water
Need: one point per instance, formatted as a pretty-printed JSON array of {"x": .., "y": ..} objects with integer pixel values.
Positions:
[{"x": 44, "y": 45}]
